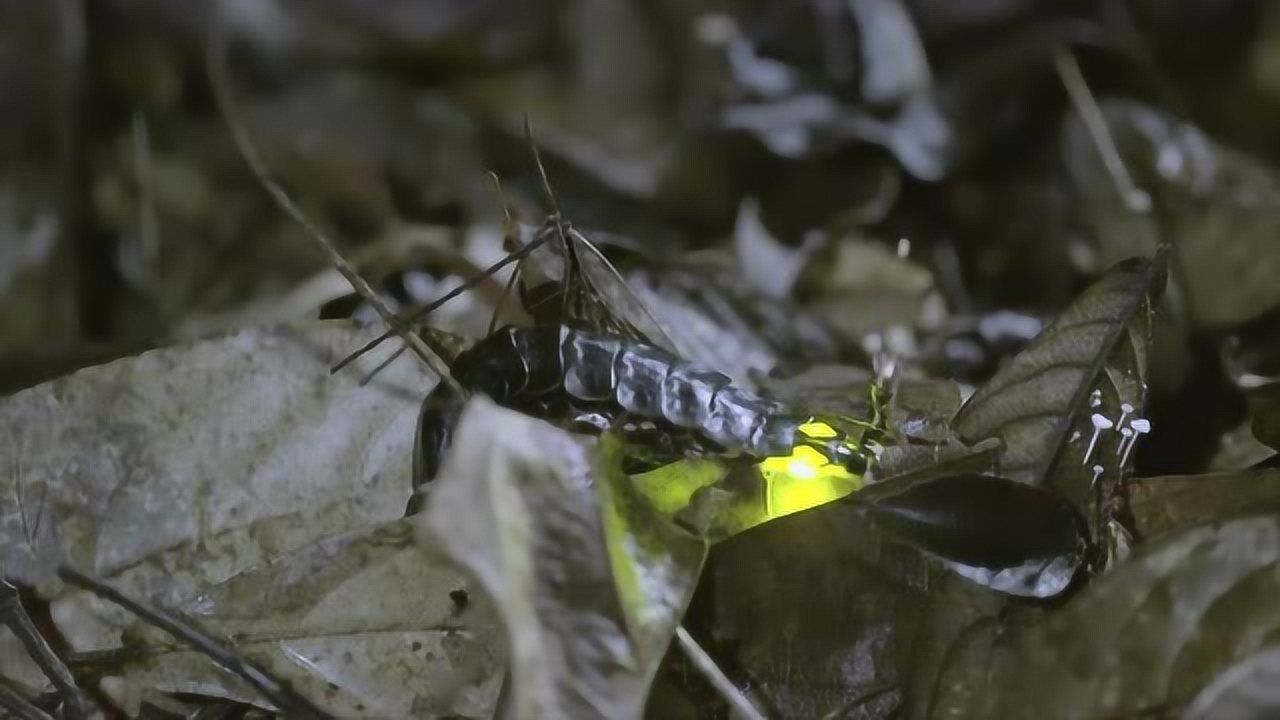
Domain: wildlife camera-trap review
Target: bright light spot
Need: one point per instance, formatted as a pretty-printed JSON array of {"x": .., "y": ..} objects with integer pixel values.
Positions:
[
  {"x": 801, "y": 469},
  {"x": 818, "y": 430},
  {"x": 804, "y": 479}
]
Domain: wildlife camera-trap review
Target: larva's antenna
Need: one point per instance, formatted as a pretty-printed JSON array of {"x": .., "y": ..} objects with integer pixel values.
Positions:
[
  {"x": 542, "y": 170},
  {"x": 556, "y": 218},
  {"x": 434, "y": 304}
]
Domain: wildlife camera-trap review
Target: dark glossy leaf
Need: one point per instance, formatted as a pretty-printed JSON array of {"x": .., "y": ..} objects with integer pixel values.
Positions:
[
  {"x": 1061, "y": 404},
  {"x": 980, "y": 520},
  {"x": 1170, "y": 503},
  {"x": 814, "y": 612},
  {"x": 1219, "y": 208},
  {"x": 1012, "y": 537},
  {"x": 1145, "y": 637}
]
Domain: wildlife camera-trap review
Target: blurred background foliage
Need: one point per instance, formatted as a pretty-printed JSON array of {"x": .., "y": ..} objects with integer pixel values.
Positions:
[{"x": 802, "y": 189}]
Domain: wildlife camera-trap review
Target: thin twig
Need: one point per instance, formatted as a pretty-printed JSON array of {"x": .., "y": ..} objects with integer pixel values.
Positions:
[
  {"x": 1134, "y": 198},
  {"x": 509, "y": 228},
  {"x": 18, "y": 706},
  {"x": 542, "y": 170},
  {"x": 217, "y": 69},
  {"x": 557, "y": 219},
  {"x": 714, "y": 675},
  {"x": 276, "y": 691},
  {"x": 502, "y": 301},
  {"x": 13, "y": 615},
  {"x": 419, "y": 314},
  {"x": 368, "y": 378}
]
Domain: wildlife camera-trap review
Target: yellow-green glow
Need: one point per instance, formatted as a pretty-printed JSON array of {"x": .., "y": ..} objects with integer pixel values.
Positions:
[
  {"x": 804, "y": 479},
  {"x": 670, "y": 487},
  {"x": 818, "y": 430}
]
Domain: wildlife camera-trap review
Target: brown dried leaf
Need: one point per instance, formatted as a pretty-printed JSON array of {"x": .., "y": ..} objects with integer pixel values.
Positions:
[{"x": 1170, "y": 503}]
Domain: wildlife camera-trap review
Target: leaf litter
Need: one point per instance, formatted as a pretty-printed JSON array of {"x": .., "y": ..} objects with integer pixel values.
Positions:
[{"x": 858, "y": 210}]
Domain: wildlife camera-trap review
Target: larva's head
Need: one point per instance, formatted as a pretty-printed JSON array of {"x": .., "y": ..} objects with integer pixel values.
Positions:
[{"x": 835, "y": 444}]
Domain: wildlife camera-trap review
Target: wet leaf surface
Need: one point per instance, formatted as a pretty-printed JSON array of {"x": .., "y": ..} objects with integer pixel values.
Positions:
[{"x": 979, "y": 520}]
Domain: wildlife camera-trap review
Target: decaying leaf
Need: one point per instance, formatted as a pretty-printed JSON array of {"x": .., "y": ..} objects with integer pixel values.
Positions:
[
  {"x": 698, "y": 337},
  {"x": 1145, "y": 638},
  {"x": 921, "y": 410},
  {"x": 803, "y": 638},
  {"x": 173, "y": 471},
  {"x": 817, "y": 199},
  {"x": 1165, "y": 504},
  {"x": 1061, "y": 405},
  {"x": 1244, "y": 691},
  {"x": 861, "y": 287},
  {"x": 588, "y": 580},
  {"x": 368, "y": 624}
]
